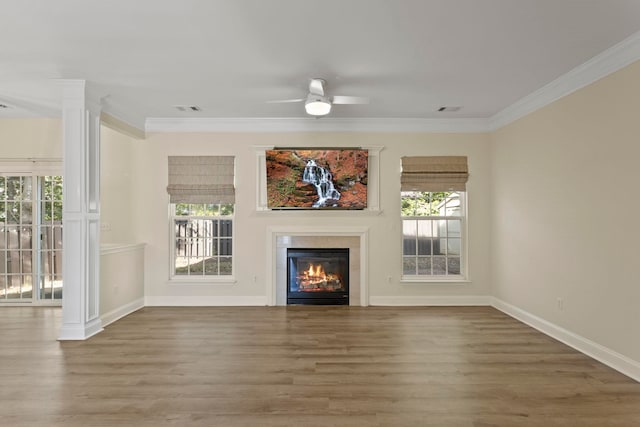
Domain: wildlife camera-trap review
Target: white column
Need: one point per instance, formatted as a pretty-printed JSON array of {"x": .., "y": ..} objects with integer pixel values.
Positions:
[{"x": 81, "y": 213}]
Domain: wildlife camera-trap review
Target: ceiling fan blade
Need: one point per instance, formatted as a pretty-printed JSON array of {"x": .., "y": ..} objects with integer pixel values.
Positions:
[
  {"x": 285, "y": 101},
  {"x": 316, "y": 87},
  {"x": 338, "y": 99}
]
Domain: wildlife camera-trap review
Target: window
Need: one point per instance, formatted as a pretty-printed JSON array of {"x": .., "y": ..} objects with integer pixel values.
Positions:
[
  {"x": 433, "y": 195},
  {"x": 203, "y": 236},
  {"x": 432, "y": 240},
  {"x": 201, "y": 199}
]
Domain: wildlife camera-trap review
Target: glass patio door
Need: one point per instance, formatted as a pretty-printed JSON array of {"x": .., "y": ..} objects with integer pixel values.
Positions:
[
  {"x": 30, "y": 238},
  {"x": 16, "y": 238}
]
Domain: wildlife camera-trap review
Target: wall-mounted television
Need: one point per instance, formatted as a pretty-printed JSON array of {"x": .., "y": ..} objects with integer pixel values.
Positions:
[{"x": 317, "y": 178}]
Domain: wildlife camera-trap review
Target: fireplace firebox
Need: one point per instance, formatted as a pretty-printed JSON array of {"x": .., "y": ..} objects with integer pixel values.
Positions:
[{"x": 318, "y": 276}]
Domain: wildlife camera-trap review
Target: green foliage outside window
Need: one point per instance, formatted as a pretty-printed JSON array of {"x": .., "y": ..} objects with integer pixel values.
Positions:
[
  {"x": 417, "y": 203},
  {"x": 15, "y": 199},
  {"x": 188, "y": 209},
  {"x": 52, "y": 198}
]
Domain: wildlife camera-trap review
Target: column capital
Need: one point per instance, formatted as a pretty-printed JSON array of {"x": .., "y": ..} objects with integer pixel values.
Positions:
[
  {"x": 79, "y": 93},
  {"x": 72, "y": 88}
]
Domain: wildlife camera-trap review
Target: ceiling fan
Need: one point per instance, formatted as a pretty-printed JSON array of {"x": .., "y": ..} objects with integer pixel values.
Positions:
[{"x": 317, "y": 103}]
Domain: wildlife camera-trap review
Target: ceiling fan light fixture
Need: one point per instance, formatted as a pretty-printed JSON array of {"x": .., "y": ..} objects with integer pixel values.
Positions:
[{"x": 317, "y": 106}]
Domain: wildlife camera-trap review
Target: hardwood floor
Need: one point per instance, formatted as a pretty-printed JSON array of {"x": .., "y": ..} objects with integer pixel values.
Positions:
[{"x": 304, "y": 366}]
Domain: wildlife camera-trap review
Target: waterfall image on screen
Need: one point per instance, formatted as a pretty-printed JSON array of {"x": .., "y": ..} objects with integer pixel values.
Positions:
[
  {"x": 322, "y": 179},
  {"x": 317, "y": 179}
]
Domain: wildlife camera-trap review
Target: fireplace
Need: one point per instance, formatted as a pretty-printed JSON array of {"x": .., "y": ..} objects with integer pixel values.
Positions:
[{"x": 318, "y": 276}]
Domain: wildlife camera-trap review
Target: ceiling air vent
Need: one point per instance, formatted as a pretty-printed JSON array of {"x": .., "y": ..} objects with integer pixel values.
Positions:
[
  {"x": 449, "y": 109},
  {"x": 187, "y": 108}
]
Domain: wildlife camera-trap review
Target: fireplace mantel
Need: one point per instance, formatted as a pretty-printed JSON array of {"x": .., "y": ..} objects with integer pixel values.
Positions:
[{"x": 274, "y": 232}]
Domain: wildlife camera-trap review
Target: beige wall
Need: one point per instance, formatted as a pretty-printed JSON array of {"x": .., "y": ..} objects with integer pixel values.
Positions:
[
  {"x": 251, "y": 226},
  {"x": 565, "y": 225},
  {"x": 30, "y": 138},
  {"x": 116, "y": 187},
  {"x": 121, "y": 280}
]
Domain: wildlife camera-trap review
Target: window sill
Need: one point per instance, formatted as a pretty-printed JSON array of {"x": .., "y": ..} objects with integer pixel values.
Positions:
[
  {"x": 190, "y": 280},
  {"x": 433, "y": 281}
]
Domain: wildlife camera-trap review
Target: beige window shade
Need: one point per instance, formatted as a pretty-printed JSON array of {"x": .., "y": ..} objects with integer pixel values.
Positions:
[
  {"x": 434, "y": 173},
  {"x": 201, "y": 179}
]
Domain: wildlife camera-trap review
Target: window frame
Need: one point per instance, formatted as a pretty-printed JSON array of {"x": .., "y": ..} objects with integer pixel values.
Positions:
[
  {"x": 463, "y": 277},
  {"x": 201, "y": 278}
]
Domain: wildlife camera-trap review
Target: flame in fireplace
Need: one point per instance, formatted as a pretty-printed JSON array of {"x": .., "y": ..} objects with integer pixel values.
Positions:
[
  {"x": 315, "y": 272},
  {"x": 314, "y": 278}
]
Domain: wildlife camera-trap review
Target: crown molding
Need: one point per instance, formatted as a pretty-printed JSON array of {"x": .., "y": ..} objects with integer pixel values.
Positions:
[
  {"x": 611, "y": 60},
  {"x": 23, "y": 107},
  {"x": 314, "y": 125},
  {"x": 121, "y": 126},
  {"x": 123, "y": 119}
]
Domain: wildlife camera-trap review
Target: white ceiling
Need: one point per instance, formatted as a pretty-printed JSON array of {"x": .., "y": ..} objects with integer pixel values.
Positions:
[{"x": 231, "y": 56}]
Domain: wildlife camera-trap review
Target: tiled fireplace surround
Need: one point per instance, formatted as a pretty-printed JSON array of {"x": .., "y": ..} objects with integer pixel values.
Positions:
[{"x": 353, "y": 238}]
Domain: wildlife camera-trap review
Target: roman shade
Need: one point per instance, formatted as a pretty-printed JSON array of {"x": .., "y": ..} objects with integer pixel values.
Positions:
[
  {"x": 201, "y": 179},
  {"x": 434, "y": 173}
]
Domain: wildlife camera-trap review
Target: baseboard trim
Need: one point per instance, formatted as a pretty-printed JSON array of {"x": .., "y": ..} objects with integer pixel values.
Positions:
[
  {"x": 453, "y": 300},
  {"x": 120, "y": 312},
  {"x": 78, "y": 332},
  {"x": 205, "y": 301},
  {"x": 615, "y": 360}
]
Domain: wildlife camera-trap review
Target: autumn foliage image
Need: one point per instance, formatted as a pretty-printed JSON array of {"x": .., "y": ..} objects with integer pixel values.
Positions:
[{"x": 308, "y": 179}]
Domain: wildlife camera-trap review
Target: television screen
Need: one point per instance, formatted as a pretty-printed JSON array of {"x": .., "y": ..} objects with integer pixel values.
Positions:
[{"x": 317, "y": 179}]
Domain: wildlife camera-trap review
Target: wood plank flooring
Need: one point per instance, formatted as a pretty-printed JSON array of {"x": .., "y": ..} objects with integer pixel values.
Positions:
[{"x": 304, "y": 366}]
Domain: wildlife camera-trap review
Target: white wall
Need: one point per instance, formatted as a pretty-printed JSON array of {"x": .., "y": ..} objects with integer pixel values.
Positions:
[
  {"x": 151, "y": 210},
  {"x": 565, "y": 184}
]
